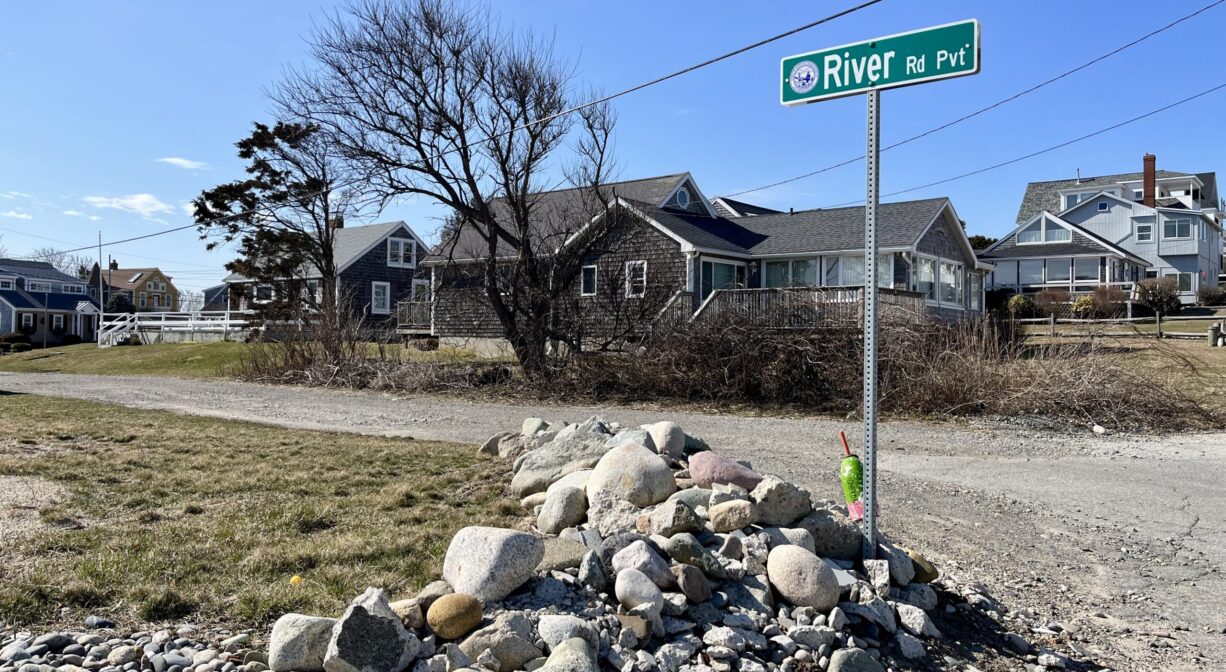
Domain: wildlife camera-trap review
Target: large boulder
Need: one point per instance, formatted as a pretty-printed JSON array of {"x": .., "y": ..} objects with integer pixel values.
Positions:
[
  {"x": 692, "y": 582},
  {"x": 780, "y": 502},
  {"x": 557, "y": 628},
  {"x": 707, "y": 468},
  {"x": 901, "y": 568},
  {"x": 796, "y": 536},
  {"x": 299, "y": 643},
  {"x": 634, "y": 474},
  {"x": 668, "y": 438},
  {"x": 455, "y": 615},
  {"x": 634, "y": 588},
  {"x": 509, "y": 638},
  {"x": 801, "y": 578},
  {"x": 674, "y": 517},
  {"x": 852, "y": 659},
  {"x": 643, "y": 558},
  {"x": 572, "y": 655},
  {"x": 490, "y": 562},
  {"x": 565, "y": 454},
  {"x": 564, "y": 507},
  {"x": 694, "y": 498},
  {"x": 575, "y": 479},
  {"x": 835, "y": 536},
  {"x": 610, "y": 514},
  {"x": 369, "y": 637},
  {"x": 560, "y": 555},
  {"x": 733, "y": 515}
]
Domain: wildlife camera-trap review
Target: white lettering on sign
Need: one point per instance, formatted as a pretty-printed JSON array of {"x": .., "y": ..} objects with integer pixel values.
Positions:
[
  {"x": 839, "y": 71},
  {"x": 915, "y": 64},
  {"x": 952, "y": 59}
]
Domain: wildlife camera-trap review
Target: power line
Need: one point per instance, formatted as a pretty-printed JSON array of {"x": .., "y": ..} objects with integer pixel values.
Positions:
[
  {"x": 1046, "y": 150},
  {"x": 535, "y": 122},
  {"x": 993, "y": 106}
]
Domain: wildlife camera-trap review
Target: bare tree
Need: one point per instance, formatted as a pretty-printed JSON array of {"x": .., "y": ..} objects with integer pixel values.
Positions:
[
  {"x": 285, "y": 216},
  {"x": 436, "y": 101},
  {"x": 76, "y": 265}
]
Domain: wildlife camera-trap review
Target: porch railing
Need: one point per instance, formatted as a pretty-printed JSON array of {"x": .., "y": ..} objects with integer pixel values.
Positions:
[
  {"x": 803, "y": 307},
  {"x": 413, "y": 315},
  {"x": 117, "y": 326}
]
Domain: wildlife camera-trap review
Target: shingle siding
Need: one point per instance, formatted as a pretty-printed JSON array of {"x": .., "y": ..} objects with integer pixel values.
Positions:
[
  {"x": 355, "y": 281},
  {"x": 942, "y": 241}
]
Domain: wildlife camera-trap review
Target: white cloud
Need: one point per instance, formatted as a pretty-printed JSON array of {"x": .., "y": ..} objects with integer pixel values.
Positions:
[
  {"x": 73, "y": 213},
  {"x": 13, "y": 214},
  {"x": 145, "y": 205},
  {"x": 16, "y": 194},
  {"x": 185, "y": 164},
  {"x": 94, "y": 218},
  {"x": 189, "y": 209}
]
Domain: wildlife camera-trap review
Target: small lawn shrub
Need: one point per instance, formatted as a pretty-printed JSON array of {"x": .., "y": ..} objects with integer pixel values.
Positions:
[
  {"x": 16, "y": 348},
  {"x": 1160, "y": 295}
]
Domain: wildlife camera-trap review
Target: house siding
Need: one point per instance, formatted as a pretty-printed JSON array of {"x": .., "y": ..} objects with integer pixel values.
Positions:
[
  {"x": 942, "y": 241},
  {"x": 355, "y": 282}
]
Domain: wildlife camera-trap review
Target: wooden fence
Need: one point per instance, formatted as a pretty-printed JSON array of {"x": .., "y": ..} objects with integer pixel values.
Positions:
[{"x": 1164, "y": 327}]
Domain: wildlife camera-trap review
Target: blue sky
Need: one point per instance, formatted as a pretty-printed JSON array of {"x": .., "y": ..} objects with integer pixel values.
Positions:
[{"x": 94, "y": 97}]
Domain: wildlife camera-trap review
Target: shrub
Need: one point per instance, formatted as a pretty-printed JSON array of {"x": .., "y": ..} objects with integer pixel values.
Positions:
[
  {"x": 70, "y": 339},
  {"x": 1109, "y": 301},
  {"x": 1084, "y": 307},
  {"x": 1052, "y": 301},
  {"x": 15, "y": 337},
  {"x": 21, "y": 347},
  {"x": 1212, "y": 296},
  {"x": 1160, "y": 295},
  {"x": 1020, "y": 306}
]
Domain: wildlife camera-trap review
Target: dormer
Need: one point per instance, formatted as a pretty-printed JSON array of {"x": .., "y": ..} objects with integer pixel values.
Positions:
[
  {"x": 686, "y": 196},
  {"x": 1074, "y": 195},
  {"x": 1042, "y": 230}
]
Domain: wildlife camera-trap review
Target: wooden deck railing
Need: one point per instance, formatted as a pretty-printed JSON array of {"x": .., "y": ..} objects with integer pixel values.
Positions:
[
  {"x": 803, "y": 307},
  {"x": 413, "y": 315}
]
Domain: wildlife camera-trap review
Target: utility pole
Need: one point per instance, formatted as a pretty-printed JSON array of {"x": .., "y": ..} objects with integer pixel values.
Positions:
[{"x": 101, "y": 300}]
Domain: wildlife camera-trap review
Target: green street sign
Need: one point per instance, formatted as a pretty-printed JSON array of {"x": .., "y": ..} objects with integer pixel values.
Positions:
[{"x": 924, "y": 55}]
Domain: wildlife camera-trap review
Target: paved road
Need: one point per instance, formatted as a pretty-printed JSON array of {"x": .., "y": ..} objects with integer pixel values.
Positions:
[{"x": 1129, "y": 528}]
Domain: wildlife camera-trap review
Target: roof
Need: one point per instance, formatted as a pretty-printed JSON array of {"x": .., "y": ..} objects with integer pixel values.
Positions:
[
  {"x": 1042, "y": 196},
  {"x": 22, "y": 300},
  {"x": 899, "y": 224},
  {"x": 129, "y": 278},
  {"x": 558, "y": 213},
  {"x": 727, "y": 207},
  {"x": 19, "y": 299},
  {"x": 36, "y": 270},
  {"x": 1083, "y": 241},
  {"x": 348, "y": 244}
]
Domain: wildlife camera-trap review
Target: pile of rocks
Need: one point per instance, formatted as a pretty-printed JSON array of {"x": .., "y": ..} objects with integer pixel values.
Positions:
[
  {"x": 650, "y": 552},
  {"x": 101, "y": 650}
]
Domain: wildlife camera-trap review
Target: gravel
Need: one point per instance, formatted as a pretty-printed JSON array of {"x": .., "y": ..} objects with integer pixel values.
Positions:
[{"x": 1119, "y": 536}]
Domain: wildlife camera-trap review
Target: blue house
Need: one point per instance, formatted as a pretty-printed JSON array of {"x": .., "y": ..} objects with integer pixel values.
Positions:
[{"x": 44, "y": 304}]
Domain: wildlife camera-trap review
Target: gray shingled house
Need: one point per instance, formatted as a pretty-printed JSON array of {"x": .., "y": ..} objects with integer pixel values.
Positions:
[
  {"x": 699, "y": 253},
  {"x": 377, "y": 266},
  {"x": 1082, "y": 233}
]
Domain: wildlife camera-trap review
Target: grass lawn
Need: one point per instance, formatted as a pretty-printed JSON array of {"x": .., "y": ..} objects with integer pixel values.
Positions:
[
  {"x": 186, "y": 360},
  {"x": 176, "y": 517}
]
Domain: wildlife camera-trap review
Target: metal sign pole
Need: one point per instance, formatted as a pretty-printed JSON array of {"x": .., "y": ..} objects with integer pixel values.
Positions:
[{"x": 870, "y": 325}]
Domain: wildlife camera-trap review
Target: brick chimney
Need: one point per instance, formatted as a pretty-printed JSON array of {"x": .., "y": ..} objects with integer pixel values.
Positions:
[
  {"x": 114, "y": 265},
  {"x": 1149, "y": 186},
  {"x": 336, "y": 222}
]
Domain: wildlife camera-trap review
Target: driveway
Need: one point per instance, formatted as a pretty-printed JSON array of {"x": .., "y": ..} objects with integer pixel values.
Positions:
[{"x": 1120, "y": 538}]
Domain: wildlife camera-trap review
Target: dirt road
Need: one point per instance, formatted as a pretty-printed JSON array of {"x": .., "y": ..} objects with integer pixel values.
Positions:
[{"x": 1120, "y": 538}]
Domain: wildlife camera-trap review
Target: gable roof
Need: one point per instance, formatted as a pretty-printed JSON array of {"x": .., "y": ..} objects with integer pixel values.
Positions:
[
  {"x": 127, "y": 278},
  {"x": 1042, "y": 196},
  {"x": 1083, "y": 241},
  {"x": 899, "y": 224},
  {"x": 36, "y": 270},
  {"x": 350, "y": 244},
  {"x": 727, "y": 207},
  {"x": 23, "y": 300}
]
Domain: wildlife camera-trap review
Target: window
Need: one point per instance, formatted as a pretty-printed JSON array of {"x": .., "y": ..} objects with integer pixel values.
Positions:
[
  {"x": 804, "y": 272},
  {"x": 587, "y": 281},
  {"x": 926, "y": 278},
  {"x": 1043, "y": 231},
  {"x": 32, "y": 286},
  {"x": 1184, "y": 280},
  {"x": 1059, "y": 269},
  {"x": 1138, "y": 195},
  {"x": 57, "y": 321},
  {"x": 832, "y": 271},
  {"x": 1149, "y": 275},
  {"x": 1005, "y": 274},
  {"x": 1102, "y": 205},
  {"x": 157, "y": 300},
  {"x": 144, "y": 300},
  {"x": 853, "y": 271},
  {"x": 1030, "y": 234},
  {"x": 27, "y": 320},
  {"x": 1085, "y": 269},
  {"x": 636, "y": 279},
  {"x": 976, "y": 292},
  {"x": 6, "y": 283},
  {"x": 719, "y": 275},
  {"x": 1030, "y": 271},
  {"x": 1177, "y": 228},
  {"x": 1071, "y": 200},
  {"x": 683, "y": 197},
  {"x": 1145, "y": 233},
  {"x": 401, "y": 253},
  {"x": 951, "y": 283},
  {"x": 74, "y": 289},
  {"x": 778, "y": 273},
  {"x": 795, "y": 273},
  {"x": 1053, "y": 232},
  {"x": 380, "y": 298}
]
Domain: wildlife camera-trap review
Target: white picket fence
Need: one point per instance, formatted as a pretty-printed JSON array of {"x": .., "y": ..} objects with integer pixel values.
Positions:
[{"x": 149, "y": 327}]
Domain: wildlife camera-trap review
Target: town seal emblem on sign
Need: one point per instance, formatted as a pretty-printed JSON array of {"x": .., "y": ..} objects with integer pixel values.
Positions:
[{"x": 803, "y": 77}]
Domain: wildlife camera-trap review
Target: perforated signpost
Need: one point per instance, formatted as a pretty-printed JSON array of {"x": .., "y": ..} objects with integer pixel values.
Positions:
[{"x": 925, "y": 55}]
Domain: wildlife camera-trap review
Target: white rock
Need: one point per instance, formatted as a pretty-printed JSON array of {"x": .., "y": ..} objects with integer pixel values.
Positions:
[
  {"x": 639, "y": 555},
  {"x": 491, "y": 562},
  {"x": 915, "y": 621},
  {"x": 563, "y": 507},
  {"x": 668, "y": 437},
  {"x": 910, "y": 647},
  {"x": 802, "y": 578},
  {"x": 725, "y": 637},
  {"x": 299, "y": 643},
  {"x": 557, "y": 628},
  {"x": 780, "y": 502},
  {"x": 634, "y": 474},
  {"x": 812, "y": 636},
  {"x": 778, "y": 536},
  {"x": 634, "y": 588},
  {"x": 572, "y": 655}
]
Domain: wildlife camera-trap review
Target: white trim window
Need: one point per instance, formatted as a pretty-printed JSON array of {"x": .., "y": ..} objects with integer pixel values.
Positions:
[
  {"x": 587, "y": 280},
  {"x": 27, "y": 320},
  {"x": 34, "y": 286},
  {"x": 1179, "y": 228},
  {"x": 263, "y": 293},
  {"x": 1103, "y": 206},
  {"x": 74, "y": 289},
  {"x": 144, "y": 300},
  {"x": 1185, "y": 281},
  {"x": 1043, "y": 231},
  {"x": 791, "y": 273},
  {"x": 1086, "y": 269},
  {"x": 401, "y": 253},
  {"x": 1145, "y": 233},
  {"x": 57, "y": 321},
  {"x": 951, "y": 283},
  {"x": 683, "y": 197},
  {"x": 976, "y": 292},
  {"x": 8, "y": 283},
  {"x": 381, "y": 298},
  {"x": 636, "y": 279},
  {"x": 926, "y": 278}
]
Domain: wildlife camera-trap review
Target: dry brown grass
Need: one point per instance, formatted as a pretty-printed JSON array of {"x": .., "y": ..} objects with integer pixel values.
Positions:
[{"x": 175, "y": 516}]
